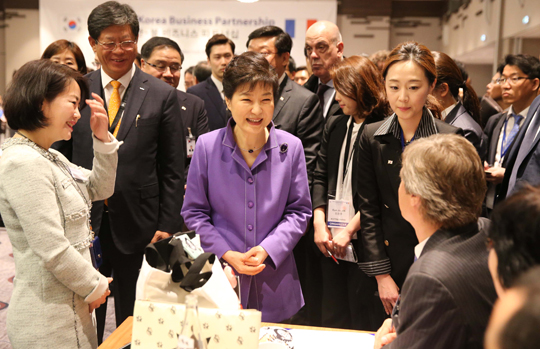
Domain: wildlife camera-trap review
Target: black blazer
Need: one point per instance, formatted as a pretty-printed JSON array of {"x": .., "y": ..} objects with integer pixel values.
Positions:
[
  {"x": 459, "y": 117},
  {"x": 326, "y": 172},
  {"x": 488, "y": 109},
  {"x": 149, "y": 188},
  {"x": 298, "y": 112},
  {"x": 214, "y": 104},
  {"x": 385, "y": 234},
  {"x": 193, "y": 116},
  {"x": 313, "y": 84},
  {"x": 448, "y": 295}
]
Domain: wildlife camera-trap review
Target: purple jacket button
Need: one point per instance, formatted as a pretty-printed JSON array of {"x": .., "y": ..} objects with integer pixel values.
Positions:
[
  {"x": 250, "y": 204},
  {"x": 250, "y": 180},
  {"x": 250, "y": 227}
]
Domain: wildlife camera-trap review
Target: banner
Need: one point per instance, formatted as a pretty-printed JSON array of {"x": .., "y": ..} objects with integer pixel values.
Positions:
[{"x": 189, "y": 23}]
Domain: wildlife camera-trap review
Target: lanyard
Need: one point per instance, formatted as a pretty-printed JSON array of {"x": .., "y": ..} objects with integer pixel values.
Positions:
[
  {"x": 118, "y": 115},
  {"x": 402, "y": 139}
]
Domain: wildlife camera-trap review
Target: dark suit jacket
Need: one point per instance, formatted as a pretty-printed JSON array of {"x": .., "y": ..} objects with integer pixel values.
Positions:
[
  {"x": 298, "y": 112},
  {"x": 214, "y": 104},
  {"x": 385, "y": 234},
  {"x": 193, "y": 116},
  {"x": 326, "y": 172},
  {"x": 493, "y": 131},
  {"x": 528, "y": 169},
  {"x": 448, "y": 294},
  {"x": 488, "y": 109},
  {"x": 459, "y": 117},
  {"x": 313, "y": 84},
  {"x": 149, "y": 186}
]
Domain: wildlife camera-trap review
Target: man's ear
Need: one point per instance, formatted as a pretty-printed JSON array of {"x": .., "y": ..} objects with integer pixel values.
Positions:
[{"x": 92, "y": 43}]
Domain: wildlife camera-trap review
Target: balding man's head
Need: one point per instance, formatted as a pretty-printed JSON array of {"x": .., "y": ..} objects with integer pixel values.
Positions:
[{"x": 324, "y": 48}]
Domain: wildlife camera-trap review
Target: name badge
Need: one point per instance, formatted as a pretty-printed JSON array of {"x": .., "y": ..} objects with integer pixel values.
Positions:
[
  {"x": 338, "y": 213},
  {"x": 77, "y": 174},
  {"x": 190, "y": 146}
]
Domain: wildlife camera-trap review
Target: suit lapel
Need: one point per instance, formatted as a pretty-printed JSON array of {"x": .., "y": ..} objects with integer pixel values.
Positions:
[
  {"x": 495, "y": 138},
  {"x": 454, "y": 113},
  {"x": 215, "y": 97},
  {"x": 137, "y": 92},
  {"x": 283, "y": 98},
  {"x": 391, "y": 158}
]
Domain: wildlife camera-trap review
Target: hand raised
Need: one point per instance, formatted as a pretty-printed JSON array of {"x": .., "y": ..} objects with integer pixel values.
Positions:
[{"x": 99, "y": 120}]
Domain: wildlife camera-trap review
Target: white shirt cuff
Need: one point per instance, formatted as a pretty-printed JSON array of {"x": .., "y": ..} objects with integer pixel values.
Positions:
[
  {"x": 106, "y": 148},
  {"x": 99, "y": 290}
]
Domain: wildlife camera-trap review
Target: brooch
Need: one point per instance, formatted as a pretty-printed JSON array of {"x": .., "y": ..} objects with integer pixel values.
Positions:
[{"x": 283, "y": 148}]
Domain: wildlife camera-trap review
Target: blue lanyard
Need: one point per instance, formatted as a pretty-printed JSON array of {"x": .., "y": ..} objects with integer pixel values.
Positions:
[{"x": 403, "y": 140}]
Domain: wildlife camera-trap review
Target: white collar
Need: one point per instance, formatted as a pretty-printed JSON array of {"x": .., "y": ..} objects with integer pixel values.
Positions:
[
  {"x": 447, "y": 111},
  {"x": 419, "y": 248},
  {"x": 282, "y": 78},
  {"x": 522, "y": 113},
  {"x": 124, "y": 80}
]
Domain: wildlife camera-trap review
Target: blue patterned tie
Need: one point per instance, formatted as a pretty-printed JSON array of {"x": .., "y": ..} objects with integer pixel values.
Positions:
[{"x": 507, "y": 142}]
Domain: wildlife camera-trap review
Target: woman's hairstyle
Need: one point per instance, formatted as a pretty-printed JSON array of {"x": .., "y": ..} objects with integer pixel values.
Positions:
[
  {"x": 446, "y": 173},
  {"x": 421, "y": 55},
  {"x": 36, "y": 82},
  {"x": 356, "y": 77},
  {"x": 448, "y": 72},
  {"x": 515, "y": 234},
  {"x": 248, "y": 68},
  {"x": 60, "y": 46}
]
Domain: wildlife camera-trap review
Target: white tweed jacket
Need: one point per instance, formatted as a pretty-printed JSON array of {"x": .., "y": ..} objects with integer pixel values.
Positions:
[{"x": 47, "y": 222}]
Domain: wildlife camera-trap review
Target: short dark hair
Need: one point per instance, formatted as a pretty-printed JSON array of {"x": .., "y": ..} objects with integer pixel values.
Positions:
[
  {"x": 283, "y": 40},
  {"x": 202, "y": 71},
  {"x": 159, "y": 42},
  {"x": 36, "y": 82},
  {"x": 60, "y": 46},
  {"x": 189, "y": 70},
  {"x": 218, "y": 39},
  {"x": 521, "y": 330},
  {"x": 500, "y": 68},
  {"x": 248, "y": 68},
  {"x": 292, "y": 65},
  {"x": 515, "y": 234},
  {"x": 112, "y": 13},
  {"x": 529, "y": 65},
  {"x": 300, "y": 68}
]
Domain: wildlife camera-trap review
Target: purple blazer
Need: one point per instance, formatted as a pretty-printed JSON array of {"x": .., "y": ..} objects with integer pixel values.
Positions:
[{"x": 235, "y": 208}]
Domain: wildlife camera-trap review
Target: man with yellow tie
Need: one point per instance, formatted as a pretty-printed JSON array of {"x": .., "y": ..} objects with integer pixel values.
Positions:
[{"x": 144, "y": 114}]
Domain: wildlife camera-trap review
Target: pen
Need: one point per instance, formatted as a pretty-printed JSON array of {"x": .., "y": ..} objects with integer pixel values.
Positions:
[
  {"x": 137, "y": 119},
  {"x": 331, "y": 255}
]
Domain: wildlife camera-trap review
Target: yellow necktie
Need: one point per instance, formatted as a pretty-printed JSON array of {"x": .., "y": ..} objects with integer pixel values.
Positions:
[{"x": 114, "y": 104}]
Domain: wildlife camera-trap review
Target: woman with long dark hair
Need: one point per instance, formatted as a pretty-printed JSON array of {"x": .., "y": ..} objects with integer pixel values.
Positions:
[
  {"x": 463, "y": 113},
  {"x": 388, "y": 240}
]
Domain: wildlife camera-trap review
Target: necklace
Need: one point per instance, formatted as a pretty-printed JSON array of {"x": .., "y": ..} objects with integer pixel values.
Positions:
[{"x": 250, "y": 150}]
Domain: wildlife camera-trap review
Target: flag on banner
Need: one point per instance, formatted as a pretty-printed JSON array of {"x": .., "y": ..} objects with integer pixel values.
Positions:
[
  {"x": 289, "y": 27},
  {"x": 310, "y": 22}
]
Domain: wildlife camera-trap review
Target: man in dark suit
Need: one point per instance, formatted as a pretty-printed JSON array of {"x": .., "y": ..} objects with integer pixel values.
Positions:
[
  {"x": 324, "y": 48},
  {"x": 296, "y": 110},
  {"x": 220, "y": 51},
  {"x": 162, "y": 58},
  {"x": 520, "y": 81},
  {"x": 143, "y": 114},
  {"x": 448, "y": 294}
]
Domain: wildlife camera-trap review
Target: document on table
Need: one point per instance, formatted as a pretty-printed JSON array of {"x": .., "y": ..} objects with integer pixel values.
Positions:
[{"x": 310, "y": 339}]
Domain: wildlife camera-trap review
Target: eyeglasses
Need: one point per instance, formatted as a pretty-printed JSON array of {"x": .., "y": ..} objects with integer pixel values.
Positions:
[
  {"x": 512, "y": 81},
  {"x": 124, "y": 45},
  {"x": 162, "y": 68}
]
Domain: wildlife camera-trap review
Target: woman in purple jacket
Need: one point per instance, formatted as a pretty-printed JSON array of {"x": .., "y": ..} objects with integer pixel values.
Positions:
[{"x": 247, "y": 192}]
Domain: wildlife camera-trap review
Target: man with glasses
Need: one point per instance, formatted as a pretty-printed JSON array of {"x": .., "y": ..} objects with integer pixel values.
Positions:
[
  {"x": 162, "y": 58},
  {"x": 220, "y": 51},
  {"x": 324, "y": 48},
  {"x": 519, "y": 81},
  {"x": 143, "y": 114}
]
